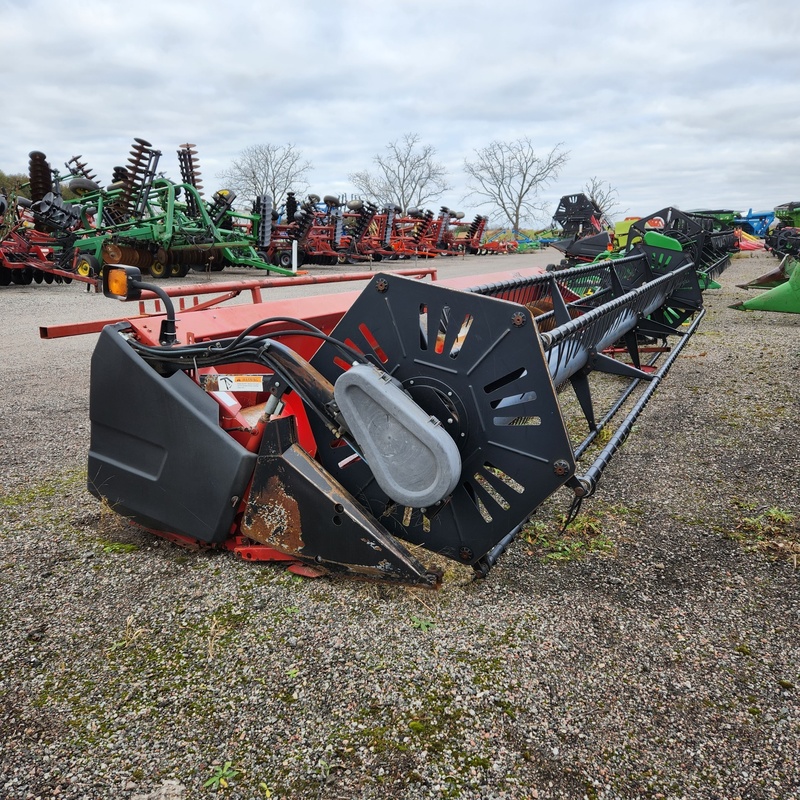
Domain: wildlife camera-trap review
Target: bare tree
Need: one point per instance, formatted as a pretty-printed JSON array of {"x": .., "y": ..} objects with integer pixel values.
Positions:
[
  {"x": 267, "y": 169},
  {"x": 603, "y": 195},
  {"x": 407, "y": 175},
  {"x": 509, "y": 176}
]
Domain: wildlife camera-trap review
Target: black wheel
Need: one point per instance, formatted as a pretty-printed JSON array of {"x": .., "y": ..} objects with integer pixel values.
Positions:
[
  {"x": 86, "y": 265},
  {"x": 38, "y": 276},
  {"x": 81, "y": 186},
  {"x": 285, "y": 259},
  {"x": 179, "y": 270},
  {"x": 5, "y": 276},
  {"x": 159, "y": 270},
  {"x": 48, "y": 277}
]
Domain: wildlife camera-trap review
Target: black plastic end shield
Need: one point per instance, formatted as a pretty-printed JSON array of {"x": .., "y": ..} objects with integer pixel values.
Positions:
[{"x": 157, "y": 453}]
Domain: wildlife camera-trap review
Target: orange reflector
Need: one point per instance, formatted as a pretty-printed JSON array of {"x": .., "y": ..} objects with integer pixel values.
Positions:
[
  {"x": 122, "y": 282},
  {"x": 117, "y": 283}
]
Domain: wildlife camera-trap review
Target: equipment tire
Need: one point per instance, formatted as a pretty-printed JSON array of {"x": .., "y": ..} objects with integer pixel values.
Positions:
[
  {"x": 159, "y": 270},
  {"x": 81, "y": 186},
  {"x": 86, "y": 265},
  {"x": 285, "y": 259},
  {"x": 179, "y": 270}
]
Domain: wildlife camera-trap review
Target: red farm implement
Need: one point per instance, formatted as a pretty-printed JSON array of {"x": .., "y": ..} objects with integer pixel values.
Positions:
[
  {"x": 328, "y": 232},
  {"x": 28, "y": 255},
  {"x": 332, "y": 432}
]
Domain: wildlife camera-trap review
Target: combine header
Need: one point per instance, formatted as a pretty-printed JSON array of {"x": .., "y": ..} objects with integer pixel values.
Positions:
[
  {"x": 783, "y": 285},
  {"x": 709, "y": 248},
  {"x": 784, "y": 238},
  {"x": 583, "y": 229},
  {"x": 329, "y": 431}
]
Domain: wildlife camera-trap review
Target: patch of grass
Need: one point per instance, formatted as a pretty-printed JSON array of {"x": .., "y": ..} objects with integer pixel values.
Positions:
[
  {"x": 769, "y": 529},
  {"x": 28, "y": 496},
  {"x": 583, "y": 536},
  {"x": 42, "y": 504},
  {"x": 130, "y": 636}
]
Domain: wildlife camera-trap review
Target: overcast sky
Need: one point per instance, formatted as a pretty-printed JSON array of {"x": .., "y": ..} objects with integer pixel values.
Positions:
[{"x": 688, "y": 103}]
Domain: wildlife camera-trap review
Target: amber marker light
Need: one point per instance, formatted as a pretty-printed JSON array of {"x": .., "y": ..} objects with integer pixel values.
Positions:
[{"x": 120, "y": 282}]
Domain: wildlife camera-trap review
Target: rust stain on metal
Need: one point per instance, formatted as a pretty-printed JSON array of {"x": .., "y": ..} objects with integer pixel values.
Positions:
[{"x": 273, "y": 518}]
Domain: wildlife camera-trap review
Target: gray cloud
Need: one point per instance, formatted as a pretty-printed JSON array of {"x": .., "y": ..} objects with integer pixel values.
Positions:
[{"x": 686, "y": 104}]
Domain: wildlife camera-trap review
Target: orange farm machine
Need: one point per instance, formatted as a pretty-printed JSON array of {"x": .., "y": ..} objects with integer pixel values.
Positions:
[
  {"x": 350, "y": 432},
  {"x": 328, "y": 231}
]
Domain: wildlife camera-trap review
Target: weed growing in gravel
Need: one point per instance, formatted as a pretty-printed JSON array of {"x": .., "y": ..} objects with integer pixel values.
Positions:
[
  {"x": 130, "y": 636},
  {"x": 583, "y": 536},
  {"x": 766, "y": 529},
  {"x": 421, "y": 624},
  {"x": 216, "y": 632},
  {"x": 222, "y": 776}
]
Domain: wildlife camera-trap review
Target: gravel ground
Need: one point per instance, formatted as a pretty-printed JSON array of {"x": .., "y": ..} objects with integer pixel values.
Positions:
[{"x": 651, "y": 654}]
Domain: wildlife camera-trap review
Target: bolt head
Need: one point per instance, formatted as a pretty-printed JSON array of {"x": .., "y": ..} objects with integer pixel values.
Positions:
[{"x": 561, "y": 467}]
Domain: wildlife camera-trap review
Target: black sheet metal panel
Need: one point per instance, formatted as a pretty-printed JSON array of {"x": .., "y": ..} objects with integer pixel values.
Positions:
[
  {"x": 475, "y": 363},
  {"x": 157, "y": 453}
]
